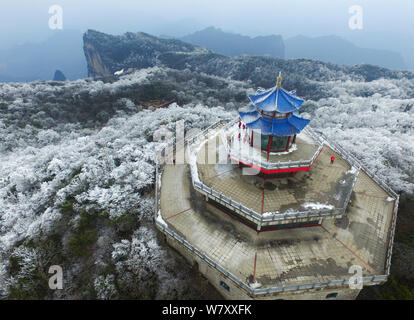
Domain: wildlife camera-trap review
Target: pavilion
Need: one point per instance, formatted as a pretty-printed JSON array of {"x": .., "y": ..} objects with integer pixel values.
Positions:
[{"x": 293, "y": 228}]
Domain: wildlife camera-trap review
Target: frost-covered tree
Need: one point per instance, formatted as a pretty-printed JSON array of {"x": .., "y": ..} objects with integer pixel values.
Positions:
[{"x": 77, "y": 163}]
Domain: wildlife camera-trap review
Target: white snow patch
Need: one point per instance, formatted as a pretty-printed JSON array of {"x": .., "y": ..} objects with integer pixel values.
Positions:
[
  {"x": 269, "y": 214},
  {"x": 255, "y": 285},
  {"x": 305, "y": 137},
  {"x": 159, "y": 182},
  {"x": 293, "y": 147},
  {"x": 317, "y": 206},
  {"x": 118, "y": 73},
  {"x": 288, "y": 211},
  {"x": 160, "y": 219},
  {"x": 353, "y": 170},
  {"x": 192, "y": 156}
]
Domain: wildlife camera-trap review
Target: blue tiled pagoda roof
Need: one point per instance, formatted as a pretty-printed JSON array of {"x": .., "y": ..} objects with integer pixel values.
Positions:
[
  {"x": 277, "y": 127},
  {"x": 276, "y": 99}
]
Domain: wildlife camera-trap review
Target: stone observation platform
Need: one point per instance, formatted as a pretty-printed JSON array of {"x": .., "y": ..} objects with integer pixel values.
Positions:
[
  {"x": 244, "y": 262},
  {"x": 269, "y": 209},
  {"x": 307, "y": 196}
]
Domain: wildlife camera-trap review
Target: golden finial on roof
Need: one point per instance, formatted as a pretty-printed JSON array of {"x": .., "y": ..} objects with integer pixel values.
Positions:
[{"x": 279, "y": 80}]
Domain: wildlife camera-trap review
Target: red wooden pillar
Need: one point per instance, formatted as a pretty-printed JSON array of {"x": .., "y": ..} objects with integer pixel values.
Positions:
[
  {"x": 251, "y": 141},
  {"x": 294, "y": 139},
  {"x": 269, "y": 146},
  {"x": 287, "y": 146}
]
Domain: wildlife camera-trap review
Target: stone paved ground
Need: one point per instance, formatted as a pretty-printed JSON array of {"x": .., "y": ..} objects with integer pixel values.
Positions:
[
  {"x": 284, "y": 257},
  {"x": 368, "y": 222},
  {"x": 320, "y": 185}
]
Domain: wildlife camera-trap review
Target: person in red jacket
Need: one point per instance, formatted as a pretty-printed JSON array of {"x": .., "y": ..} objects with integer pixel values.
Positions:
[
  {"x": 239, "y": 124},
  {"x": 332, "y": 160}
]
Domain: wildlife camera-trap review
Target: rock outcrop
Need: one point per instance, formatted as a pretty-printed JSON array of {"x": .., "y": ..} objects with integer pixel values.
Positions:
[
  {"x": 59, "y": 76},
  {"x": 107, "y": 54}
]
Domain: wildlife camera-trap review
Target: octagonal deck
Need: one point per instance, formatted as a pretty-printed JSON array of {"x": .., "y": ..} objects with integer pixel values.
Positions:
[
  {"x": 325, "y": 185},
  {"x": 284, "y": 257}
]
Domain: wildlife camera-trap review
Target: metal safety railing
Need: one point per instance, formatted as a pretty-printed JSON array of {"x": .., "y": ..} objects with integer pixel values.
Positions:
[
  {"x": 355, "y": 162},
  {"x": 262, "y": 291},
  {"x": 391, "y": 237},
  {"x": 294, "y": 215},
  {"x": 269, "y": 217}
]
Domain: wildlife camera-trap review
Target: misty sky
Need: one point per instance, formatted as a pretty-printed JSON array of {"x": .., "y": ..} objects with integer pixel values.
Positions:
[{"x": 386, "y": 23}]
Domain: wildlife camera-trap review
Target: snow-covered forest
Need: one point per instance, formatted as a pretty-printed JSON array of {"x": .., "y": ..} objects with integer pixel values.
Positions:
[{"x": 77, "y": 170}]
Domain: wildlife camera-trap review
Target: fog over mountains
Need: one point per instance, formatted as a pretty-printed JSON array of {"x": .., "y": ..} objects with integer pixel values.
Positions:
[
  {"x": 39, "y": 61},
  {"x": 64, "y": 52},
  {"x": 231, "y": 45},
  {"x": 77, "y": 159},
  {"x": 340, "y": 51},
  {"x": 327, "y": 49}
]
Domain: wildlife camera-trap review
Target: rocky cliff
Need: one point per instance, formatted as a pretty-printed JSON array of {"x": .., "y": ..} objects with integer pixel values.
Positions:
[{"x": 107, "y": 54}]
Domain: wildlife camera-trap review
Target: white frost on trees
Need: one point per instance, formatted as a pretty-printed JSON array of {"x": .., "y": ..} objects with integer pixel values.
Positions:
[{"x": 111, "y": 168}]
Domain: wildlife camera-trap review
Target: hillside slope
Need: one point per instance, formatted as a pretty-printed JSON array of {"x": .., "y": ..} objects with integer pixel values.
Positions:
[{"x": 104, "y": 58}]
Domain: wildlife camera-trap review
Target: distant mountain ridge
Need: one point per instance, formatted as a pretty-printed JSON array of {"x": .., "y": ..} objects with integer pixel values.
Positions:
[
  {"x": 332, "y": 49},
  {"x": 231, "y": 44},
  {"x": 340, "y": 51},
  {"x": 63, "y": 51},
  {"x": 107, "y": 54}
]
